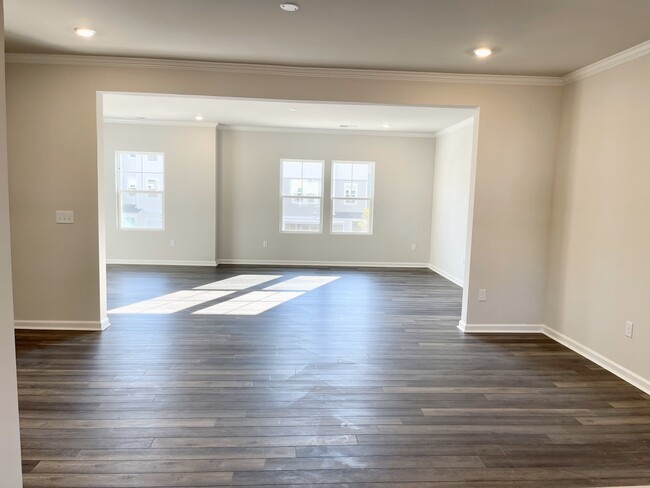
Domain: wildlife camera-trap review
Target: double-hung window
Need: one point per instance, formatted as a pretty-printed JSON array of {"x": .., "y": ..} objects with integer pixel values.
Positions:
[
  {"x": 301, "y": 195},
  {"x": 140, "y": 190},
  {"x": 353, "y": 185}
]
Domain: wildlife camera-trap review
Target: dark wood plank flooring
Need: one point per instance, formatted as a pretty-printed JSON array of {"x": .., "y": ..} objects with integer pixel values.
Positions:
[{"x": 363, "y": 382}]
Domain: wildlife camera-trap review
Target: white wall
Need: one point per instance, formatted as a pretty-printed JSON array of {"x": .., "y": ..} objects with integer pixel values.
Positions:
[
  {"x": 10, "y": 467},
  {"x": 250, "y": 206},
  {"x": 190, "y": 194},
  {"x": 599, "y": 273},
  {"x": 52, "y": 158},
  {"x": 451, "y": 195}
]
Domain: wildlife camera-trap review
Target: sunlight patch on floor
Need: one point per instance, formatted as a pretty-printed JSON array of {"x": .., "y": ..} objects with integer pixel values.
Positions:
[
  {"x": 240, "y": 282},
  {"x": 174, "y": 302},
  {"x": 252, "y": 303}
]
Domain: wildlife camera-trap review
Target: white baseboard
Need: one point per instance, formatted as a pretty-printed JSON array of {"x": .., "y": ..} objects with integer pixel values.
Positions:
[
  {"x": 622, "y": 372},
  {"x": 160, "y": 262},
  {"x": 97, "y": 325},
  {"x": 444, "y": 274},
  {"x": 501, "y": 328},
  {"x": 625, "y": 374},
  {"x": 346, "y": 264}
]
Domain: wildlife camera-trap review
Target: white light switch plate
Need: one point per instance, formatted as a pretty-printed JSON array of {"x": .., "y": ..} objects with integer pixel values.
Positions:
[
  {"x": 64, "y": 217},
  {"x": 482, "y": 295}
]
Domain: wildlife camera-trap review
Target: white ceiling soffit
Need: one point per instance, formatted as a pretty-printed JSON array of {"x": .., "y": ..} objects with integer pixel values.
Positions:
[
  {"x": 530, "y": 38},
  {"x": 286, "y": 115}
]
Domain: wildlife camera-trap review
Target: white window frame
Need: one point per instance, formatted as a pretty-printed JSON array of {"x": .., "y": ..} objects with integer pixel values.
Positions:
[
  {"x": 304, "y": 197},
  {"x": 352, "y": 200},
  {"x": 149, "y": 193}
]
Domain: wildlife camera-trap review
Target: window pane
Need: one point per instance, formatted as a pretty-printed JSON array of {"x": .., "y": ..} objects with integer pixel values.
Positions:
[
  {"x": 292, "y": 186},
  {"x": 152, "y": 163},
  {"x": 311, "y": 188},
  {"x": 131, "y": 181},
  {"x": 351, "y": 216},
  {"x": 312, "y": 170},
  {"x": 301, "y": 214},
  {"x": 346, "y": 176},
  {"x": 153, "y": 181},
  {"x": 302, "y": 178},
  {"x": 291, "y": 177},
  {"x": 141, "y": 210},
  {"x": 342, "y": 171},
  {"x": 130, "y": 163}
]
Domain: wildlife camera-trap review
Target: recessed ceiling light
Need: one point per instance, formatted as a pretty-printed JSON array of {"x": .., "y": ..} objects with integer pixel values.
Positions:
[
  {"x": 347, "y": 126},
  {"x": 386, "y": 126},
  {"x": 292, "y": 109},
  {"x": 84, "y": 31},
  {"x": 199, "y": 117},
  {"x": 482, "y": 52},
  {"x": 289, "y": 7}
]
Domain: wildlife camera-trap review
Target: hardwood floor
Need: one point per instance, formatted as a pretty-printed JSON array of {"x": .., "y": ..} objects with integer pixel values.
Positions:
[{"x": 365, "y": 381}]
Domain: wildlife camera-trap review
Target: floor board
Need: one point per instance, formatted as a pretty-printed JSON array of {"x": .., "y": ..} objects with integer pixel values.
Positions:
[{"x": 362, "y": 382}]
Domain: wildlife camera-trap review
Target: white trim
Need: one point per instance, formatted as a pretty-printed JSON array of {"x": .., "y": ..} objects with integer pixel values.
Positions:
[
  {"x": 611, "y": 366},
  {"x": 96, "y": 325},
  {"x": 346, "y": 132},
  {"x": 180, "y": 123},
  {"x": 444, "y": 274},
  {"x": 346, "y": 264},
  {"x": 161, "y": 262},
  {"x": 501, "y": 328},
  {"x": 608, "y": 63},
  {"x": 275, "y": 70},
  {"x": 345, "y": 73},
  {"x": 455, "y": 127}
]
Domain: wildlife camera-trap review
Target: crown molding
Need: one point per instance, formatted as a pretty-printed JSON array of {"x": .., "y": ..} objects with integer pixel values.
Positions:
[
  {"x": 180, "y": 123},
  {"x": 608, "y": 63},
  {"x": 267, "y": 69},
  {"x": 455, "y": 127},
  {"x": 299, "y": 130}
]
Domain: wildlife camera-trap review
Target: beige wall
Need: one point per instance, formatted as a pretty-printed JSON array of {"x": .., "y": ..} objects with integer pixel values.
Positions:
[
  {"x": 190, "y": 194},
  {"x": 599, "y": 273},
  {"x": 249, "y": 208},
  {"x": 451, "y": 195},
  {"x": 10, "y": 468},
  {"x": 53, "y": 165}
]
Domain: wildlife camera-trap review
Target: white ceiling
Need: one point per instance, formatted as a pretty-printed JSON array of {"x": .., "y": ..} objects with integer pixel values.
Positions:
[
  {"x": 279, "y": 114},
  {"x": 532, "y": 37}
]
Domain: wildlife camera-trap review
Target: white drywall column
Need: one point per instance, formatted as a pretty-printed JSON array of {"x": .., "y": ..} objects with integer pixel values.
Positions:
[{"x": 10, "y": 468}]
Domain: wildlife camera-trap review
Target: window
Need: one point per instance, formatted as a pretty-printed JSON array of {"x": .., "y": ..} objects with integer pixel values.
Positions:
[
  {"x": 140, "y": 190},
  {"x": 301, "y": 195},
  {"x": 352, "y": 197}
]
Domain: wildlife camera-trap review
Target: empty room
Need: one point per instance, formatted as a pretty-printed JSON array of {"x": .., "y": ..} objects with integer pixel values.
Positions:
[{"x": 329, "y": 244}]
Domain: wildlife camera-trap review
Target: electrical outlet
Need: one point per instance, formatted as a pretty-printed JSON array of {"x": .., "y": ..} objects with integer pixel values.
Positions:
[
  {"x": 482, "y": 295},
  {"x": 64, "y": 217},
  {"x": 414, "y": 247},
  {"x": 265, "y": 243},
  {"x": 172, "y": 243},
  {"x": 629, "y": 328}
]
